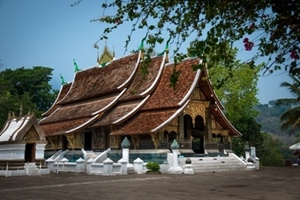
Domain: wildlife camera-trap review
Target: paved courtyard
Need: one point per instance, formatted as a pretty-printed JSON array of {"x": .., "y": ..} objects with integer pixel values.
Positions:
[{"x": 269, "y": 183}]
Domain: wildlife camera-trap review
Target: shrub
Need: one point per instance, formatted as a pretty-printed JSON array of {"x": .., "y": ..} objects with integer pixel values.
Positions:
[{"x": 153, "y": 166}]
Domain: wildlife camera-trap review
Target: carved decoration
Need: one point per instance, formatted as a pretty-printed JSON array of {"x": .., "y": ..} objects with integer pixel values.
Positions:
[
  {"x": 136, "y": 141},
  {"x": 51, "y": 142},
  {"x": 31, "y": 136},
  {"x": 114, "y": 141},
  {"x": 71, "y": 140},
  {"x": 196, "y": 94},
  {"x": 195, "y": 108},
  {"x": 156, "y": 139}
]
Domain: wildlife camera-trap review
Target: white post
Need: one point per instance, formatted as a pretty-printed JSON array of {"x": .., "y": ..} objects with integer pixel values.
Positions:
[
  {"x": 175, "y": 168},
  {"x": 123, "y": 166},
  {"x": 138, "y": 166},
  {"x": 108, "y": 167}
]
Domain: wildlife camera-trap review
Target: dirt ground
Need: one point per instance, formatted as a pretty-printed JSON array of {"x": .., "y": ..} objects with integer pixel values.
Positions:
[{"x": 269, "y": 183}]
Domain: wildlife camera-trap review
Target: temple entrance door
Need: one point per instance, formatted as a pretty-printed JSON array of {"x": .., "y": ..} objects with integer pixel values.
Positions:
[
  {"x": 29, "y": 152},
  {"x": 197, "y": 143},
  {"x": 88, "y": 140},
  {"x": 64, "y": 143}
]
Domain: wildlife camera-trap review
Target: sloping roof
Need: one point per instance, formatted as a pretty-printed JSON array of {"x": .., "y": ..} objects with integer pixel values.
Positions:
[
  {"x": 97, "y": 81},
  {"x": 165, "y": 103},
  {"x": 92, "y": 92},
  {"x": 63, "y": 127},
  {"x": 216, "y": 106},
  {"x": 119, "y": 94},
  {"x": 219, "y": 116},
  {"x": 134, "y": 97},
  {"x": 62, "y": 93},
  {"x": 16, "y": 128},
  {"x": 207, "y": 90}
]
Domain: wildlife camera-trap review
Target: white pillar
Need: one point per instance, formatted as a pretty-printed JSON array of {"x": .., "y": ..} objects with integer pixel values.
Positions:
[
  {"x": 175, "y": 168},
  {"x": 108, "y": 167},
  {"x": 138, "y": 166},
  {"x": 125, "y": 154},
  {"x": 123, "y": 166}
]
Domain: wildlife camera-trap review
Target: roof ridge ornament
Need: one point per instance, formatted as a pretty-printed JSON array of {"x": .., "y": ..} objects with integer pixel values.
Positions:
[
  {"x": 166, "y": 50},
  {"x": 76, "y": 66},
  {"x": 62, "y": 80},
  {"x": 141, "y": 48}
]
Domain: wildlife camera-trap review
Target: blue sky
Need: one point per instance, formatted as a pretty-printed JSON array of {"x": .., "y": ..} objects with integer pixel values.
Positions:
[{"x": 51, "y": 33}]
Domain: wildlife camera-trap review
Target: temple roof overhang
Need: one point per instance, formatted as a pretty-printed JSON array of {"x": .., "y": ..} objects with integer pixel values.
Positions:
[{"x": 16, "y": 128}]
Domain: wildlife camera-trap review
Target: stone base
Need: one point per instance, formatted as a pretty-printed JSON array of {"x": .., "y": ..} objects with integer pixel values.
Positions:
[
  {"x": 175, "y": 170},
  {"x": 188, "y": 169}
]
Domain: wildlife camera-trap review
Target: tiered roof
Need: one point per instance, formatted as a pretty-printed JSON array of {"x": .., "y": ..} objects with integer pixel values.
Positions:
[{"x": 121, "y": 94}]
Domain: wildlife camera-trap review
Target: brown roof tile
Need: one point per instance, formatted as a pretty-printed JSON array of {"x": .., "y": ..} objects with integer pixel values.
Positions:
[
  {"x": 165, "y": 96},
  {"x": 142, "y": 82},
  {"x": 132, "y": 100},
  {"x": 61, "y": 127},
  {"x": 62, "y": 93},
  {"x": 145, "y": 122},
  {"x": 117, "y": 113},
  {"x": 164, "y": 102},
  {"x": 80, "y": 110},
  {"x": 98, "y": 81}
]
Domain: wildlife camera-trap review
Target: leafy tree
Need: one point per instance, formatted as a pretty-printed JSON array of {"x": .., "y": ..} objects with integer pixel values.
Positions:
[
  {"x": 291, "y": 118},
  {"x": 270, "y": 27},
  {"x": 28, "y": 88},
  {"x": 238, "y": 94},
  {"x": 270, "y": 154}
]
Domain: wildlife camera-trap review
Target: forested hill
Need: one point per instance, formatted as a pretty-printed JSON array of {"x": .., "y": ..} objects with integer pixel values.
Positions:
[{"x": 269, "y": 118}]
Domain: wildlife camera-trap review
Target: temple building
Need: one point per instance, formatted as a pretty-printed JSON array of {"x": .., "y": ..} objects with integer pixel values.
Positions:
[
  {"x": 22, "y": 142},
  {"x": 133, "y": 97}
]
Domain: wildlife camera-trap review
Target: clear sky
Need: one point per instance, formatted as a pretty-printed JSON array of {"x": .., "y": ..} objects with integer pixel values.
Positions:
[{"x": 51, "y": 33}]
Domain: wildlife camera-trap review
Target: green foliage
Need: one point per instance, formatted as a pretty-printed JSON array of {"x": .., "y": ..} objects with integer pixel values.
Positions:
[
  {"x": 269, "y": 118},
  {"x": 238, "y": 146},
  {"x": 153, "y": 166},
  {"x": 27, "y": 87},
  {"x": 290, "y": 119},
  {"x": 271, "y": 27},
  {"x": 269, "y": 153},
  {"x": 237, "y": 92}
]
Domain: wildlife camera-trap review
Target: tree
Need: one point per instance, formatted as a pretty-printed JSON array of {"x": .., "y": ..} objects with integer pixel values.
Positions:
[
  {"x": 237, "y": 92},
  {"x": 238, "y": 95},
  {"x": 291, "y": 118},
  {"x": 270, "y": 27},
  {"x": 270, "y": 154},
  {"x": 28, "y": 88}
]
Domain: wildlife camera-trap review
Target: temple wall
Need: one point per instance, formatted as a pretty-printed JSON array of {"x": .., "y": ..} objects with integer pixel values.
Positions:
[
  {"x": 12, "y": 151},
  {"x": 39, "y": 151}
]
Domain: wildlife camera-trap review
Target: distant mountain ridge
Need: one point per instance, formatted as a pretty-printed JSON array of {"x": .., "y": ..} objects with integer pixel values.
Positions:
[{"x": 269, "y": 118}]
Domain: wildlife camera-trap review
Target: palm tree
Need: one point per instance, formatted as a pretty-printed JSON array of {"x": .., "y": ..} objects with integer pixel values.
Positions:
[{"x": 291, "y": 118}]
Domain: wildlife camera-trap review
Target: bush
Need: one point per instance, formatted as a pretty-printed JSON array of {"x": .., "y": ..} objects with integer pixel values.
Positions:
[{"x": 153, "y": 166}]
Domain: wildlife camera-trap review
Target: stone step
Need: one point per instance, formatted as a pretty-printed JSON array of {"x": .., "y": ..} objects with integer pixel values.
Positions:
[{"x": 214, "y": 164}]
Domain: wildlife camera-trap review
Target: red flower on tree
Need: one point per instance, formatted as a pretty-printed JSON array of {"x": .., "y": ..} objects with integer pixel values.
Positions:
[
  {"x": 294, "y": 55},
  {"x": 248, "y": 45}
]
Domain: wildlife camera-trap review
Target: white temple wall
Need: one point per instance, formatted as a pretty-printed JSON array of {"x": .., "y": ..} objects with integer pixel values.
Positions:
[
  {"x": 39, "y": 151},
  {"x": 12, "y": 152}
]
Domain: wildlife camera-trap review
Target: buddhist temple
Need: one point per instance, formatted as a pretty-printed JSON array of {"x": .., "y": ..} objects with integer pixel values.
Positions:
[
  {"x": 132, "y": 97},
  {"x": 22, "y": 146}
]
